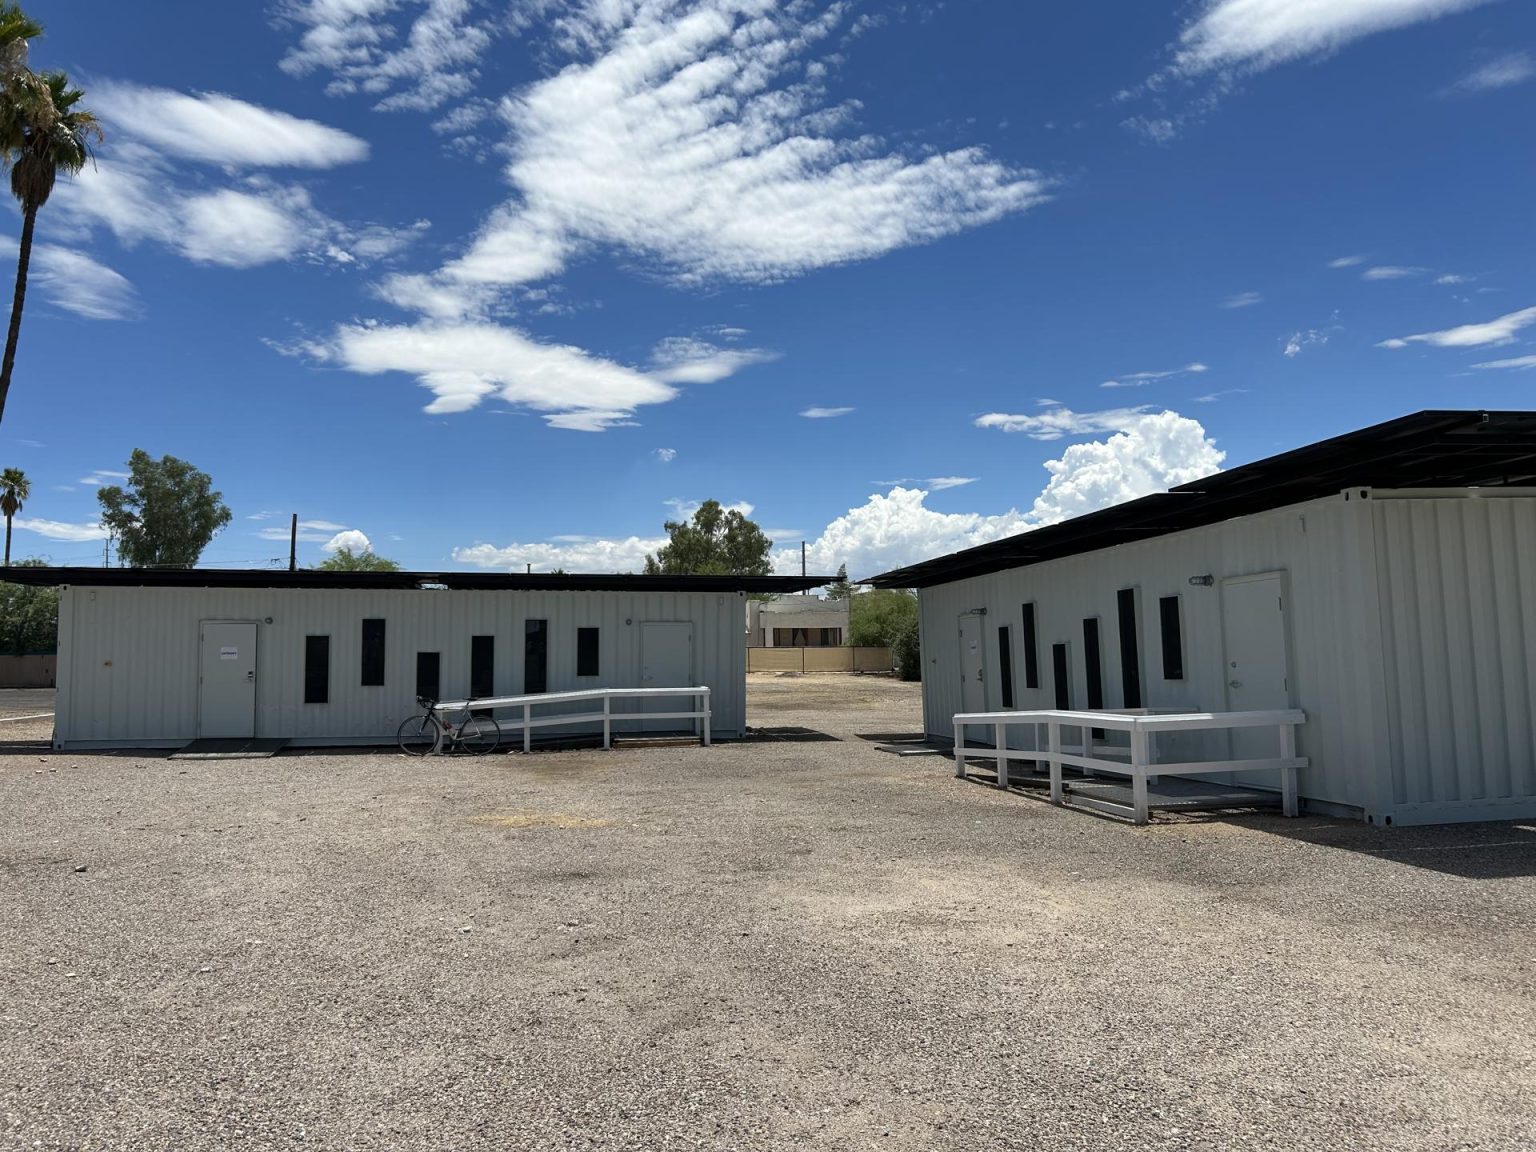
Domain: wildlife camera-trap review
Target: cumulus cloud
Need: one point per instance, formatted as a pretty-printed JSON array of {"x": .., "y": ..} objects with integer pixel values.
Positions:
[
  {"x": 666, "y": 455},
  {"x": 351, "y": 539},
  {"x": 216, "y": 129},
  {"x": 825, "y": 413},
  {"x": 1146, "y": 452},
  {"x": 1502, "y": 330},
  {"x": 1258, "y": 34}
]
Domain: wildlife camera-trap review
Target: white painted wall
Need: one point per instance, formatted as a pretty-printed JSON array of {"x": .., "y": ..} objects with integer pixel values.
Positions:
[
  {"x": 129, "y": 656},
  {"x": 1412, "y": 626}
]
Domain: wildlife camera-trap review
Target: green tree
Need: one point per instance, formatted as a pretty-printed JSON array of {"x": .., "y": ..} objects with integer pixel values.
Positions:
[
  {"x": 876, "y": 618},
  {"x": 15, "y": 488},
  {"x": 346, "y": 560},
  {"x": 715, "y": 542},
  {"x": 29, "y": 617},
  {"x": 840, "y": 589},
  {"x": 47, "y": 134},
  {"x": 166, "y": 514}
]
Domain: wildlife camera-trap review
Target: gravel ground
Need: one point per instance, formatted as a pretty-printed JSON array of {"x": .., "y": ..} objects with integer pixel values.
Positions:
[
  {"x": 25, "y": 701},
  {"x": 792, "y": 942}
]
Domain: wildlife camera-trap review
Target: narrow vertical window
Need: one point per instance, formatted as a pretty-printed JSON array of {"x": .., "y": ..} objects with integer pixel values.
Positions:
[
  {"x": 1031, "y": 649},
  {"x": 535, "y": 656},
  {"x": 1005, "y": 665},
  {"x": 1173, "y": 638},
  {"x": 373, "y": 653},
  {"x": 317, "y": 669},
  {"x": 1091, "y": 663},
  {"x": 1062, "y": 675},
  {"x": 1130, "y": 654},
  {"x": 482, "y": 666},
  {"x": 586, "y": 652},
  {"x": 429, "y": 667}
]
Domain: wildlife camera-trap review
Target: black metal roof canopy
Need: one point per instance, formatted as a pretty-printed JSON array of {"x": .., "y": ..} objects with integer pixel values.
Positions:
[
  {"x": 1433, "y": 449},
  {"x": 454, "y": 581}
]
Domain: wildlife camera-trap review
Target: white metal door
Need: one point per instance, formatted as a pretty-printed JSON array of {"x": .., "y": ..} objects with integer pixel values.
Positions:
[
  {"x": 1257, "y": 669},
  {"x": 227, "y": 679},
  {"x": 973, "y": 664},
  {"x": 666, "y": 661}
]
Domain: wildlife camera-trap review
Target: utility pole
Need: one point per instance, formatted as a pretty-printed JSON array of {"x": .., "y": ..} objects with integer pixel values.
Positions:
[{"x": 293, "y": 543}]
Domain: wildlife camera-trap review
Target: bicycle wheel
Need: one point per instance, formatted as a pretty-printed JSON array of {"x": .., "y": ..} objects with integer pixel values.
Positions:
[
  {"x": 418, "y": 735},
  {"x": 480, "y": 735}
]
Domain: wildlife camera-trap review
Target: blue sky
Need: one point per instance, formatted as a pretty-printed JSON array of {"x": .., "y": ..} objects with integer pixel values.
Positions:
[{"x": 507, "y": 282}]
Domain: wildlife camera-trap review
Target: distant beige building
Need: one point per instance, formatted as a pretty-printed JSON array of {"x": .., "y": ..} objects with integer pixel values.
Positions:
[{"x": 797, "y": 622}]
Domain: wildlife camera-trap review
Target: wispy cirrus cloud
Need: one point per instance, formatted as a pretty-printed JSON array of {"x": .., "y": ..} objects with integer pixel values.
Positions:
[
  {"x": 1243, "y": 300},
  {"x": 1501, "y": 330},
  {"x": 1516, "y": 363},
  {"x": 1141, "y": 379},
  {"x": 684, "y": 360},
  {"x": 1393, "y": 272},
  {"x": 1503, "y": 71},
  {"x": 1347, "y": 262},
  {"x": 79, "y": 283},
  {"x": 825, "y": 413},
  {"x": 60, "y": 530},
  {"x": 1258, "y": 34}
]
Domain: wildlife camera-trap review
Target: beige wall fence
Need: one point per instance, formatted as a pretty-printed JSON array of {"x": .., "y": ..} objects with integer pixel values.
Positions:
[
  {"x": 28, "y": 671},
  {"x": 845, "y": 659}
]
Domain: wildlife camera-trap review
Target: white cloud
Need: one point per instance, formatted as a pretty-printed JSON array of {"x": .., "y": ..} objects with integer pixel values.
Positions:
[
  {"x": 1347, "y": 262},
  {"x": 1055, "y": 422},
  {"x": 352, "y": 540},
  {"x": 57, "y": 530},
  {"x": 1304, "y": 339},
  {"x": 1258, "y": 34},
  {"x": 1243, "y": 300},
  {"x": 465, "y": 364},
  {"x": 102, "y": 476},
  {"x": 1149, "y": 452},
  {"x": 666, "y": 455},
  {"x": 1504, "y": 72},
  {"x": 825, "y": 413},
  {"x": 69, "y": 279},
  {"x": 357, "y": 43},
  {"x": 241, "y": 230},
  {"x": 1452, "y": 278},
  {"x": 681, "y": 360},
  {"x": 940, "y": 483},
  {"x": 309, "y": 531},
  {"x": 1493, "y": 332},
  {"x": 215, "y": 129},
  {"x": 672, "y": 138},
  {"x": 1138, "y": 379},
  {"x": 1392, "y": 272},
  {"x": 1518, "y": 362}
]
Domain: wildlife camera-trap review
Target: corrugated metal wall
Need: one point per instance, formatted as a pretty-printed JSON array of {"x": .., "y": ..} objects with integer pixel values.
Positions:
[
  {"x": 1458, "y": 612},
  {"x": 1335, "y": 663},
  {"x": 130, "y": 655}
]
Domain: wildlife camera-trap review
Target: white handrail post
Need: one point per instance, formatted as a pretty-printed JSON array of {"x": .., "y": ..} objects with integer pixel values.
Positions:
[
  {"x": 1139, "y": 772},
  {"x": 527, "y": 728},
  {"x": 1053, "y": 758},
  {"x": 1288, "y": 804},
  {"x": 607, "y": 721},
  {"x": 708, "y": 716},
  {"x": 998, "y": 732},
  {"x": 959, "y": 750}
]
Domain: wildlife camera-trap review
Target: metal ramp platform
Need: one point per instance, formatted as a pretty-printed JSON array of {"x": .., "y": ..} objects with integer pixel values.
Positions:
[
  {"x": 230, "y": 749},
  {"x": 1112, "y": 796}
]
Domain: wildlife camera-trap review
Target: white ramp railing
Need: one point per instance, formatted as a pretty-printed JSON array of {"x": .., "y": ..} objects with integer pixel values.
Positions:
[
  {"x": 528, "y": 721},
  {"x": 1138, "y": 762}
]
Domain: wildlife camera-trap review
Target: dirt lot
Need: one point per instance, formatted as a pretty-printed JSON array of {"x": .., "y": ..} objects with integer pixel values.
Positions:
[{"x": 796, "y": 941}]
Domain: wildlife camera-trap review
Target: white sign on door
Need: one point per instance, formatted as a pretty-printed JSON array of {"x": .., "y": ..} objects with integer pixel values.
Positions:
[{"x": 229, "y": 653}]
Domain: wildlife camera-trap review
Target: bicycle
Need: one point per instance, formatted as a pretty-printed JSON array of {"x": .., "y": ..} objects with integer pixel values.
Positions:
[{"x": 430, "y": 732}]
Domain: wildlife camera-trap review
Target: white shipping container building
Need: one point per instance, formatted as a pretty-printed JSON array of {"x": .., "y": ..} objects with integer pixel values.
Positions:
[
  {"x": 1383, "y": 582},
  {"x": 159, "y": 658}
]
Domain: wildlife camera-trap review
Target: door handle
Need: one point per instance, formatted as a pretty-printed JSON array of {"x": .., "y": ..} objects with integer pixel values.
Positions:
[
  {"x": 250, "y": 677},
  {"x": 1234, "y": 683}
]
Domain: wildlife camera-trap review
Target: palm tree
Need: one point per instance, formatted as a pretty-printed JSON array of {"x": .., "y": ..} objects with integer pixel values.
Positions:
[
  {"x": 54, "y": 136},
  {"x": 15, "y": 488}
]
